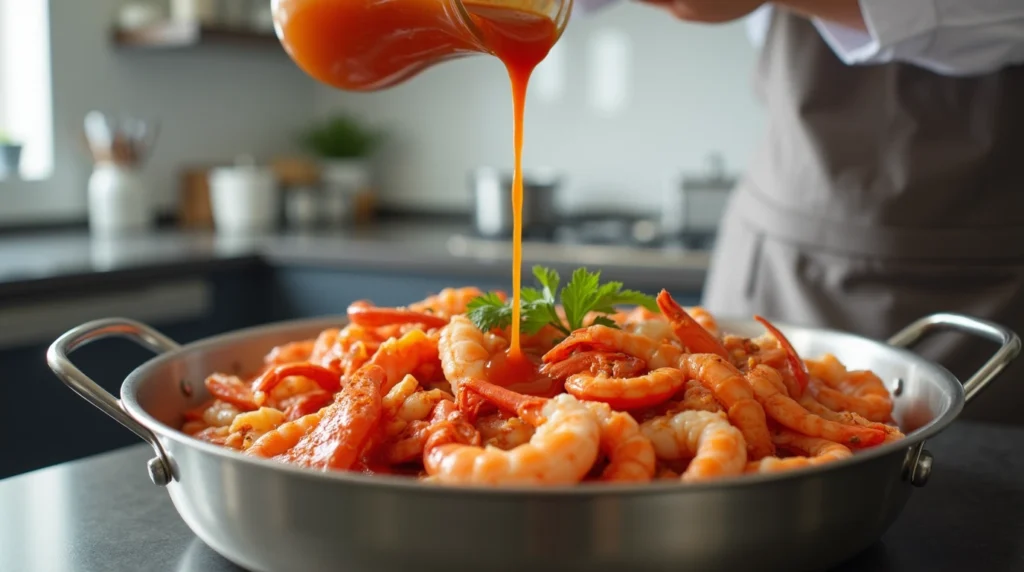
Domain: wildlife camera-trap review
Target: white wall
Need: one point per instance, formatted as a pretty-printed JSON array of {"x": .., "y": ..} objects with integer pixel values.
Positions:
[
  {"x": 212, "y": 103},
  {"x": 689, "y": 93}
]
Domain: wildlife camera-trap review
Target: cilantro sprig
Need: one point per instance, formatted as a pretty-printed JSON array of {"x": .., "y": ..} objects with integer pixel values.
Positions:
[{"x": 583, "y": 294}]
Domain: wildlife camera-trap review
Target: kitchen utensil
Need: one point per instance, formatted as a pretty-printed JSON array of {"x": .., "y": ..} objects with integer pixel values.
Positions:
[
  {"x": 269, "y": 516},
  {"x": 122, "y": 139},
  {"x": 695, "y": 208},
  {"x": 491, "y": 193},
  {"x": 117, "y": 195},
  {"x": 244, "y": 198},
  {"x": 118, "y": 201}
]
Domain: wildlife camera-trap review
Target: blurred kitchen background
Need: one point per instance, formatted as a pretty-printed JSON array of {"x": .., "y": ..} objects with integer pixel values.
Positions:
[{"x": 166, "y": 161}]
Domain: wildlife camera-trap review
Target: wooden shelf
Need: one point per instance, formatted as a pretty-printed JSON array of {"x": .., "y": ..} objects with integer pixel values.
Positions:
[{"x": 177, "y": 35}]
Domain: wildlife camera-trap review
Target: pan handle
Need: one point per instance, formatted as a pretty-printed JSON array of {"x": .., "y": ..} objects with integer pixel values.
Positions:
[
  {"x": 918, "y": 463},
  {"x": 1009, "y": 344},
  {"x": 160, "y": 467}
]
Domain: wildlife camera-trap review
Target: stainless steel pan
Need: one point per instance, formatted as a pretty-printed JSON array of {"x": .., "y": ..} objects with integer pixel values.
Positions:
[{"x": 268, "y": 516}]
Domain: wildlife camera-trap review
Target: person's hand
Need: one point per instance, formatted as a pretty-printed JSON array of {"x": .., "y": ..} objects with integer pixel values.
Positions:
[{"x": 708, "y": 11}]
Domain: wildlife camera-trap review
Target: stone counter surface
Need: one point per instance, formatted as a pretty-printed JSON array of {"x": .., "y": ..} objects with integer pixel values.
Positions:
[
  {"x": 103, "y": 514},
  {"x": 35, "y": 260}
]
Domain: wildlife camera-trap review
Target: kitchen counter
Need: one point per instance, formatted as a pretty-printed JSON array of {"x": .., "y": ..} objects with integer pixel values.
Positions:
[
  {"x": 29, "y": 262},
  {"x": 103, "y": 514}
]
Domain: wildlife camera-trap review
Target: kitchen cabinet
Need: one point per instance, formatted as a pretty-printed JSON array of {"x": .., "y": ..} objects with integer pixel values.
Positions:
[{"x": 45, "y": 423}]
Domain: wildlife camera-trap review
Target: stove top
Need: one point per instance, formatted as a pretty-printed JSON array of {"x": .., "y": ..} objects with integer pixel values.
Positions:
[{"x": 637, "y": 232}]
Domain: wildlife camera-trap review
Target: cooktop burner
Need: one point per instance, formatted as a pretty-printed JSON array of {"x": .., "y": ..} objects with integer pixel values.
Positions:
[{"x": 611, "y": 231}]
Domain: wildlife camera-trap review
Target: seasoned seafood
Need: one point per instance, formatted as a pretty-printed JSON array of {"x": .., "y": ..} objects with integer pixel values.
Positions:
[{"x": 601, "y": 393}]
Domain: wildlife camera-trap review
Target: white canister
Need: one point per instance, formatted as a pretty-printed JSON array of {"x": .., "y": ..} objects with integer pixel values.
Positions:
[
  {"x": 244, "y": 199},
  {"x": 117, "y": 201}
]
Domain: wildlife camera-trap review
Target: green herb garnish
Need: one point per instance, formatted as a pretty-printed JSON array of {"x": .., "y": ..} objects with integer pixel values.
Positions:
[{"x": 582, "y": 295}]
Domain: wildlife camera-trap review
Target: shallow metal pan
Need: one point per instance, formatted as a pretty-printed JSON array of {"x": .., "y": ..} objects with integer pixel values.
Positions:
[{"x": 267, "y": 516}]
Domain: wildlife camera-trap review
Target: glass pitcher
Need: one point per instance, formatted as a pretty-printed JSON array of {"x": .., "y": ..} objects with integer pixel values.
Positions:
[{"x": 366, "y": 45}]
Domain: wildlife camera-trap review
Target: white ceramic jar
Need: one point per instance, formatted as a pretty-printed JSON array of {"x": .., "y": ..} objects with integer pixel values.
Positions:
[
  {"x": 244, "y": 199},
  {"x": 118, "y": 201}
]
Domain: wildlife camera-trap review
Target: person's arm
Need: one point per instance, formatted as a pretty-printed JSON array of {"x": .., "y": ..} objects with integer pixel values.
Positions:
[{"x": 950, "y": 37}]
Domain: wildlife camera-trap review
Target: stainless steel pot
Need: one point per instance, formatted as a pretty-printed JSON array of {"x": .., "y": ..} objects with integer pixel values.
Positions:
[
  {"x": 268, "y": 516},
  {"x": 491, "y": 191}
]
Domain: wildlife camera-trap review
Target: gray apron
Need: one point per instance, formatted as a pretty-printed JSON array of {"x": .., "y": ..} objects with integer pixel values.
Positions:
[{"x": 881, "y": 194}]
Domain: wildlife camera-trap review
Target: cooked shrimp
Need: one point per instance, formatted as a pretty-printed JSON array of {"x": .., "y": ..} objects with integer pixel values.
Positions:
[
  {"x": 562, "y": 450},
  {"x": 503, "y": 432},
  {"x": 363, "y": 313},
  {"x": 612, "y": 364},
  {"x": 232, "y": 389},
  {"x": 734, "y": 392},
  {"x": 220, "y": 436},
  {"x": 284, "y": 437},
  {"x": 717, "y": 448},
  {"x": 327, "y": 379},
  {"x": 796, "y": 384},
  {"x": 770, "y": 392},
  {"x": 644, "y": 322},
  {"x": 345, "y": 427},
  {"x": 302, "y": 405},
  {"x": 627, "y": 393},
  {"x": 660, "y": 384},
  {"x": 892, "y": 433},
  {"x": 253, "y": 424},
  {"x": 449, "y": 301},
  {"x": 696, "y": 397},
  {"x": 630, "y": 453},
  {"x": 401, "y": 356},
  {"x": 290, "y": 353},
  {"x": 818, "y": 451},
  {"x": 606, "y": 339},
  {"x": 465, "y": 351},
  {"x": 220, "y": 413},
  {"x": 445, "y": 422},
  {"x": 419, "y": 405},
  {"x": 705, "y": 319},
  {"x": 861, "y": 392},
  {"x": 689, "y": 331}
]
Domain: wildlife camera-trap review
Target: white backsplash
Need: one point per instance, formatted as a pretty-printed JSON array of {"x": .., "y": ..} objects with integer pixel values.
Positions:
[{"x": 629, "y": 99}]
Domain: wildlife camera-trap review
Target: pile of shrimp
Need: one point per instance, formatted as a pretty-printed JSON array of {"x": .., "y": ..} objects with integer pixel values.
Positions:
[{"x": 660, "y": 395}]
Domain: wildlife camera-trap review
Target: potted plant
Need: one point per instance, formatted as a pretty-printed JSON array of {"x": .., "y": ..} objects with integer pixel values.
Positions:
[
  {"x": 10, "y": 156},
  {"x": 344, "y": 146}
]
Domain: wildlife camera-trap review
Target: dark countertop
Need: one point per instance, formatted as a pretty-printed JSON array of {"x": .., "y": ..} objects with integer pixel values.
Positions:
[
  {"x": 103, "y": 514},
  {"x": 28, "y": 261}
]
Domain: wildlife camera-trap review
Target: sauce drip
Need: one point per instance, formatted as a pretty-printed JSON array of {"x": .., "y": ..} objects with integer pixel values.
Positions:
[
  {"x": 521, "y": 40},
  {"x": 521, "y": 374},
  {"x": 362, "y": 45}
]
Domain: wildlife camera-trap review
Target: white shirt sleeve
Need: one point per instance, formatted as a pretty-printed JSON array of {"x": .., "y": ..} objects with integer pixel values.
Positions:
[{"x": 950, "y": 37}]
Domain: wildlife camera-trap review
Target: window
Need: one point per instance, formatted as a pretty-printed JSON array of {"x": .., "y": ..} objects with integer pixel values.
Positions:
[{"x": 26, "y": 107}]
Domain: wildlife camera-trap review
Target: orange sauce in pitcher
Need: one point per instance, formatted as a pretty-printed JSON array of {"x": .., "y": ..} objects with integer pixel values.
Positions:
[{"x": 373, "y": 44}]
